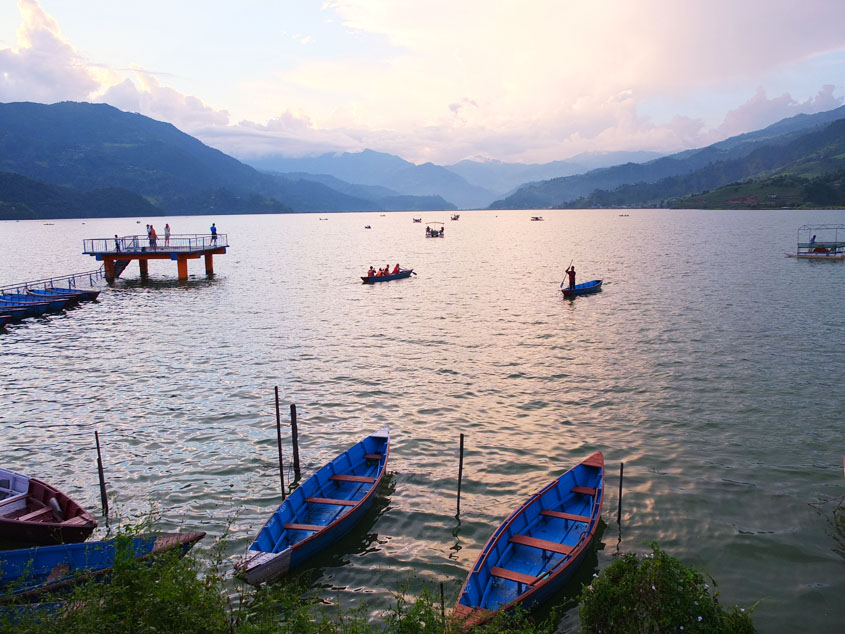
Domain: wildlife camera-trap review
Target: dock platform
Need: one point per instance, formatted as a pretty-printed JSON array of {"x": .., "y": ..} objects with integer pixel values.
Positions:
[{"x": 116, "y": 253}]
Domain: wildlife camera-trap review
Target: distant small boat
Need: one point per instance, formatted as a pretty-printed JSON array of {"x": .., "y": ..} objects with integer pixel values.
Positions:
[
  {"x": 386, "y": 278},
  {"x": 323, "y": 218},
  {"x": 455, "y": 217},
  {"x": 319, "y": 512},
  {"x": 537, "y": 218},
  {"x": 538, "y": 547},
  {"x": 582, "y": 289},
  {"x": 367, "y": 227},
  {"x": 33, "y": 512},
  {"x": 28, "y": 572},
  {"x": 416, "y": 219}
]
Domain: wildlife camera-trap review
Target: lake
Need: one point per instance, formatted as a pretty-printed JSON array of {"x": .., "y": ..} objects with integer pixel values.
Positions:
[{"x": 710, "y": 364}]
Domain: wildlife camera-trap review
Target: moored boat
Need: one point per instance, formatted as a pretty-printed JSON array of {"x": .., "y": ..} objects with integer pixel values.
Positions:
[
  {"x": 33, "y": 512},
  {"x": 538, "y": 547},
  {"x": 820, "y": 242},
  {"x": 386, "y": 278},
  {"x": 89, "y": 294},
  {"x": 537, "y": 218},
  {"x": 319, "y": 511},
  {"x": 28, "y": 572},
  {"x": 582, "y": 289}
]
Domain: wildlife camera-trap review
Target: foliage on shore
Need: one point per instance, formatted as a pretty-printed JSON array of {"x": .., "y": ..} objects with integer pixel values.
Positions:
[{"x": 657, "y": 594}]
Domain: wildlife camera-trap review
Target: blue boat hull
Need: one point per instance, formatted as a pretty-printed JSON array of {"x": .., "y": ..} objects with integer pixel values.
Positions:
[
  {"x": 319, "y": 512},
  {"x": 538, "y": 548},
  {"x": 28, "y": 572},
  {"x": 583, "y": 289},
  {"x": 386, "y": 278}
]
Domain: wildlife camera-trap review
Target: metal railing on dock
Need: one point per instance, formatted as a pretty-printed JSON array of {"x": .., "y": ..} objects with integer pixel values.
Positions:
[
  {"x": 182, "y": 243},
  {"x": 73, "y": 280}
]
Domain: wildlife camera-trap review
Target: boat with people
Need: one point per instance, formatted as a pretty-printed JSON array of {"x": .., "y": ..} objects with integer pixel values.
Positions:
[
  {"x": 537, "y": 218},
  {"x": 586, "y": 288},
  {"x": 416, "y": 219},
  {"x": 34, "y": 512},
  {"x": 455, "y": 217},
  {"x": 820, "y": 242},
  {"x": 538, "y": 548},
  {"x": 319, "y": 512},
  {"x": 372, "y": 279},
  {"x": 435, "y": 232},
  {"x": 29, "y": 572}
]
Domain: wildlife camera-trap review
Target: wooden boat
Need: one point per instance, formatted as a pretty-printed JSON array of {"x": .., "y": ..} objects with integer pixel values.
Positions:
[
  {"x": 386, "y": 278},
  {"x": 28, "y": 572},
  {"x": 45, "y": 296},
  {"x": 53, "y": 303},
  {"x": 88, "y": 294},
  {"x": 435, "y": 232},
  {"x": 319, "y": 511},
  {"x": 30, "y": 309},
  {"x": 4, "y": 319},
  {"x": 416, "y": 219},
  {"x": 34, "y": 512},
  {"x": 538, "y": 548},
  {"x": 582, "y": 289},
  {"x": 455, "y": 217},
  {"x": 13, "y": 312},
  {"x": 537, "y": 218}
]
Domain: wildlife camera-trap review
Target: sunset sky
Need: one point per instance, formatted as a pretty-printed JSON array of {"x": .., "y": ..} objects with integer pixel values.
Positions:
[{"x": 435, "y": 80}]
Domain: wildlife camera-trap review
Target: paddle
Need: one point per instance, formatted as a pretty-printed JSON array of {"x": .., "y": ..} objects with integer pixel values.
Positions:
[{"x": 567, "y": 268}]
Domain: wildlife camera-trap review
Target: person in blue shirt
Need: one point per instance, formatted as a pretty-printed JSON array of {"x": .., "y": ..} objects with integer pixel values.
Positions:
[{"x": 213, "y": 233}]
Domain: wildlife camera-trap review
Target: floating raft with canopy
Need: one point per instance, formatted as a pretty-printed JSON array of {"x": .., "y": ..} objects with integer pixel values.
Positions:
[{"x": 820, "y": 242}]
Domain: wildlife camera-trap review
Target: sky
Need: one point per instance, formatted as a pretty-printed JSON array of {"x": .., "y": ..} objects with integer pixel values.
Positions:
[{"x": 525, "y": 81}]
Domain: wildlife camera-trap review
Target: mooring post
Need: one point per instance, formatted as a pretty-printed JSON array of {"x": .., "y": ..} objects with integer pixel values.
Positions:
[
  {"x": 442, "y": 606},
  {"x": 103, "y": 495},
  {"x": 619, "y": 510},
  {"x": 279, "y": 441},
  {"x": 460, "y": 475},
  {"x": 295, "y": 438}
]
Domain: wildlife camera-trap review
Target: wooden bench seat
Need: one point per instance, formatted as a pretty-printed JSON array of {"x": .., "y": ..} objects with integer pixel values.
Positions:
[
  {"x": 512, "y": 575},
  {"x": 332, "y": 501},
  {"x": 533, "y": 542},
  {"x": 75, "y": 521},
  {"x": 584, "y": 490},
  {"x": 372, "y": 456},
  {"x": 304, "y": 527},
  {"x": 36, "y": 515},
  {"x": 340, "y": 477},
  {"x": 566, "y": 516}
]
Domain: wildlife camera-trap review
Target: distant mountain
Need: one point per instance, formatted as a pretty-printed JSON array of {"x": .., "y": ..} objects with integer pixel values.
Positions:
[
  {"x": 502, "y": 178},
  {"x": 561, "y": 191},
  {"x": 24, "y": 198},
  {"x": 807, "y": 154},
  {"x": 384, "y": 170}
]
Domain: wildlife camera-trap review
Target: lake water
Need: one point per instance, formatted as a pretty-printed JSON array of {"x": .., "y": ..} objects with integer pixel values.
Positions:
[{"x": 710, "y": 364}]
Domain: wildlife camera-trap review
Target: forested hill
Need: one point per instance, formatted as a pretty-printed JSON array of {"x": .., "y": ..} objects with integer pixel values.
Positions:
[
  {"x": 805, "y": 158},
  {"x": 562, "y": 191}
]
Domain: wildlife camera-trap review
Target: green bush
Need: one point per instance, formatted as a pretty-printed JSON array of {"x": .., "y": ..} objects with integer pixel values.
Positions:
[{"x": 656, "y": 594}]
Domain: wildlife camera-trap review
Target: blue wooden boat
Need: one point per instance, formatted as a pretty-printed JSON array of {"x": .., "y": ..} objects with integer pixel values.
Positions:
[
  {"x": 386, "y": 278},
  {"x": 53, "y": 303},
  {"x": 319, "y": 512},
  {"x": 538, "y": 548},
  {"x": 13, "y": 311},
  {"x": 4, "y": 319},
  {"x": 28, "y": 572},
  {"x": 87, "y": 294},
  {"x": 46, "y": 295},
  {"x": 30, "y": 309},
  {"x": 582, "y": 289}
]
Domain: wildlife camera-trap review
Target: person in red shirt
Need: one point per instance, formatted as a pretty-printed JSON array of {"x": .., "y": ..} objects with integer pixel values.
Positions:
[
  {"x": 396, "y": 269},
  {"x": 371, "y": 272},
  {"x": 571, "y": 273}
]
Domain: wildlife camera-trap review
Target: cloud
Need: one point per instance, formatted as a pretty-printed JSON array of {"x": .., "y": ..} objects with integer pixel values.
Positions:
[
  {"x": 44, "y": 67},
  {"x": 760, "y": 111}
]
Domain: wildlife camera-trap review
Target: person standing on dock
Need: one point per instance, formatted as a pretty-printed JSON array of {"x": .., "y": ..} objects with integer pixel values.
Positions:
[
  {"x": 153, "y": 238},
  {"x": 571, "y": 273},
  {"x": 213, "y": 233},
  {"x": 116, "y": 243},
  {"x": 166, "y": 234}
]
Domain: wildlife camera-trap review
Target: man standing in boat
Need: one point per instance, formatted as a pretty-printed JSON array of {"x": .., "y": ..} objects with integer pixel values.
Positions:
[{"x": 571, "y": 273}]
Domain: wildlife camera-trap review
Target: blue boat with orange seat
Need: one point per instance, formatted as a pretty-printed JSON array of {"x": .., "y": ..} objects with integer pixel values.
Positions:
[
  {"x": 582, "y": 289},
  {"x": 538, "y": 547},
  {"x": 319, "y": 512}
]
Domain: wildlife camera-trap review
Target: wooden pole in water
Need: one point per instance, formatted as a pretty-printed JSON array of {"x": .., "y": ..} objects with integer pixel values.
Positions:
[
  {"x": 103, "y": 495},
  {"x": 279, "y": 441},
  {"x": 619, "y": 510},
  {"x": 460, "y": 474},
  {"x": 295, "y": 438},
  {"x": 442, "y": 606}
]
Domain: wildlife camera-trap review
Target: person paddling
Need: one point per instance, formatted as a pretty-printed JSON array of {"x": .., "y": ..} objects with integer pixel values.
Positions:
[{"x": 571, "y": 273}]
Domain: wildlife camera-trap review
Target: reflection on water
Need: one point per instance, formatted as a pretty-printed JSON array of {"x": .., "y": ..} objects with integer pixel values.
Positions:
[{"x": 710, "y": 364}]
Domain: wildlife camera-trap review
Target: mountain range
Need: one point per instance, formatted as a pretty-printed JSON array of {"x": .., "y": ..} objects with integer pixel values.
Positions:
[{"x": 81, "y": 159}]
